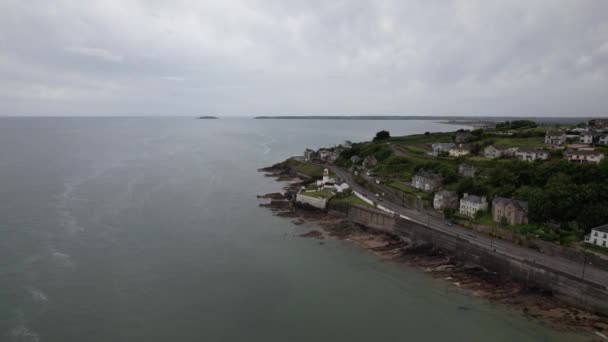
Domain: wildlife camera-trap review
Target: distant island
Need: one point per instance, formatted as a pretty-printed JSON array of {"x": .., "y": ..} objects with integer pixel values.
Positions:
[
  {"x": 446, "y": 119},
  {"x": 207, "y": 117}
]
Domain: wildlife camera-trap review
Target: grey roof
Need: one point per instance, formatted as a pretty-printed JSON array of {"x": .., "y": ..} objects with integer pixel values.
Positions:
[
  {"x": 443, "y": 145},
  {"x": 472, "y": 198},
  {"x": 555, "y": 133},
  {"x": 531, "y": 150},
  {"x": 428, "y": 174},
  {"x": 523, "y": 205},
  {"x": 499, "y": 147},
  {"x": 602, "y": 228},
  {"x": 447, "y": 193},
  {"x": 467, "y": 166},
  {"x": 583, "y": 153}
]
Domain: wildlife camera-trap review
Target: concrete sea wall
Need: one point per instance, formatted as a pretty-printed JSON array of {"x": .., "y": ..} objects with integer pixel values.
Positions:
[
  {"x": 320, "y": 203},
  {"x": 571, "y": 289}
]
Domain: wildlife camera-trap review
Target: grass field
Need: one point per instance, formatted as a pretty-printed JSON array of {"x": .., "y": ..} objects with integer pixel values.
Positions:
[
  {"x": 311, "y": 170},
  {"x": 351, "y": 199},
  {"x": 415, "y": 150},
  {"x": 520, "y": 142},
  {"x": 325, "y": 193},
  {"x": 596, "y": 248},
  {"x": 408, "y": 190}
]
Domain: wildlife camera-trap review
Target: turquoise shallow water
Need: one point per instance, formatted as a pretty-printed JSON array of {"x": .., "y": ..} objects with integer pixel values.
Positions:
[{"x": 148, "y": 229}]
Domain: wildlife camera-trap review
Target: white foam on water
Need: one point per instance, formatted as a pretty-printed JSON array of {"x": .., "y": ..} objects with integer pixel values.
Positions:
[
  {"x": 266, "y": 144},
  {"x": 21, "y": 333},
  {"x": 37, "y": 295},
  {"x": 67, "y": 219},
  {"x": 61, "y": 259}
]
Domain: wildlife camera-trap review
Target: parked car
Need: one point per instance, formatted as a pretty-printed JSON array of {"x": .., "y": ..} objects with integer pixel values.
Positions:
[{"x": 449, "y": 224}]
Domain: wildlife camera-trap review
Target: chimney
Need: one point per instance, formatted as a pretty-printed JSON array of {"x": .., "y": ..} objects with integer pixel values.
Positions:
[{"x": 465, "y": 194}]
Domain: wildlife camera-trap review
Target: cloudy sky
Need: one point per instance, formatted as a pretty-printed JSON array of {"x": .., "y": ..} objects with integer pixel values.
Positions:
[{"x": 282, "y": 57}]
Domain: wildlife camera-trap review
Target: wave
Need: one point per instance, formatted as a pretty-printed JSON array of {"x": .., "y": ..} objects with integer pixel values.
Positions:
[
  {"x": 266, "y": 144},
  {"x": 20, "y": 333},
  {"x": 37, "y": 295}
]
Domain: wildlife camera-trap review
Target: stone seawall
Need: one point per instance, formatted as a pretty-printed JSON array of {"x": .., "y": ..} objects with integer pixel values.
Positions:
[
  {"x": 573, "y": 290},
  {"x": 320, "y": 203}
]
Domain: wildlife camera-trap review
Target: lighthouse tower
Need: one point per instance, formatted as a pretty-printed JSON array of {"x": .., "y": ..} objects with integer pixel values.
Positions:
[{"x": 326, "y": 178}]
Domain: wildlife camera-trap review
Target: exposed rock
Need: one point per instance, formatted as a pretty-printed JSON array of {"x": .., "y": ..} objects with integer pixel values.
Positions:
[{"x": 313, "y": 234}]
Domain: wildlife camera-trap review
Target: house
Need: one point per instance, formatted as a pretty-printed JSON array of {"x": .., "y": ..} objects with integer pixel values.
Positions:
[
  {"x": 531, "y": 154},
  {"x": 461, "y": 137},
  {"x": 556, "y": 138},
  {"x": 603, "y": 140},
  {"x": 426, "y": 181},
  {"x": 471, "y": 205},
  {"x": 370, "y": 161},
  {"x": 497, "y": 151},
  {"x": 439, "y": 148},
  {"x": 589, "y": 137},
  {"x": 598, "y": 236},
  {"x": 598, "y": 123},
  {"x": 328, "y": 156},
  {"x": 309, "y": 154},
  {"x": 445, "y": 199},
  {"x": 355, "y": 159},
  {"x": 584, "y": 156},
  {"x": 514, "y": 211},
  {"x": 461, "y": 150},
  {"x": 341, "y": 186},
  {"x": 466, "y": 170}
]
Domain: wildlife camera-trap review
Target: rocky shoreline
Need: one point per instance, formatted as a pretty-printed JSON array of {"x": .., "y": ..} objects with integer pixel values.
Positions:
[{"x": 465, "y": 278}]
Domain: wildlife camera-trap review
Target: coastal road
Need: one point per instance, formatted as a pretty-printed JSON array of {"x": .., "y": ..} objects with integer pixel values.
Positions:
[{"x": 576, "y": 269}]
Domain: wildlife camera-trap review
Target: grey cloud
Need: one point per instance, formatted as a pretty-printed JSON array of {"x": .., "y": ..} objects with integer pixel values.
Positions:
[{"x": 460, "y": 57}]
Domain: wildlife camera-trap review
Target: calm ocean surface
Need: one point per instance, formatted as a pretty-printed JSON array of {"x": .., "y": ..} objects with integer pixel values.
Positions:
[{"x": 148, "y": 229}]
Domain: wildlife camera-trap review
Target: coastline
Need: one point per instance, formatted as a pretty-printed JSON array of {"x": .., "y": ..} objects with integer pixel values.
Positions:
[{"x": 467, "y": 279}]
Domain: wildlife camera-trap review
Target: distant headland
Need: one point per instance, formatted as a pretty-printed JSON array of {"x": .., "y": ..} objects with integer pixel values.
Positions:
[
  {"x": 206, "y": 117},
  {"x": 446, "y": 119}
]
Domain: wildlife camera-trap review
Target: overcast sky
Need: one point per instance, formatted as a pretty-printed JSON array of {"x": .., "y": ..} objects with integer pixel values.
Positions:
[{"x": 279, "y": 57}]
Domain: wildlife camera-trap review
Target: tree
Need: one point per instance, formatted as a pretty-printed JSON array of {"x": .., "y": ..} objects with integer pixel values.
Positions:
[{"x": 382, "y": 135}]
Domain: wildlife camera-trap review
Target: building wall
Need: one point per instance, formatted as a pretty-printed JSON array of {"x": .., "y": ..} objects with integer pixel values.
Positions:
[
  {"x": 512, "y": 215},
  {"x": 597, "y": 238},
  {"x": 469, "y": 209}
]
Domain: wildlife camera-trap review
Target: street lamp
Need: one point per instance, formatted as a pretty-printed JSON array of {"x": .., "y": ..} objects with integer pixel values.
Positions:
[{"x": 584, "y": 265}]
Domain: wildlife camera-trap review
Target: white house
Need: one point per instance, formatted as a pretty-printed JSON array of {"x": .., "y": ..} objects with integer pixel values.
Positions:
[
  {"x": 598, "y": 236},
  {"x": 341, "y": 187},
  {"x": 556, "y": 138},
  {"x": 589, "y": 137},
  {"x": 531, "y": 154},
  {"x": 497, "y": 151},
  {"x": 327, "y": 155},
  {"x": 471, "y": 204},
  {"x": 584, "y": 156},
  {"x": 438, "y": 148},
  {"x": 461, "y": 150},
  {"x": 603, "y": 139}
]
